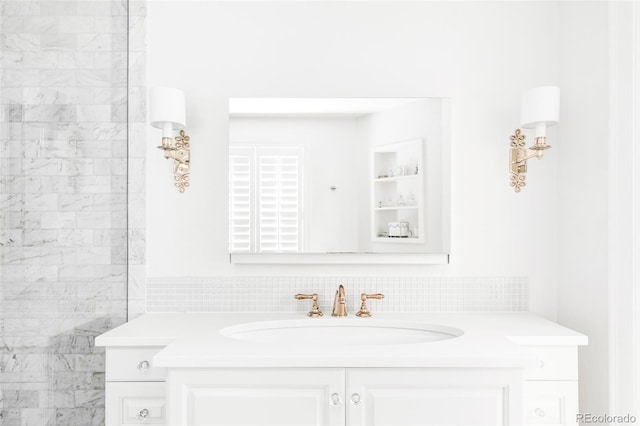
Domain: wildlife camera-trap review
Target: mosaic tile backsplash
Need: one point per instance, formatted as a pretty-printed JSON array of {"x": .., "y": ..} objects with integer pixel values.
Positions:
[{"x": 275, "y": 294}]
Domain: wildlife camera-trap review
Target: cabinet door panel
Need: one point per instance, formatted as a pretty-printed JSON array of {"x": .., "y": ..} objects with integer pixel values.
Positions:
[
  {"x": 243, "y": 397},
  {"x": 551, "y": 402},
  {"x": 412, "y": 397},
  {"x": 135, "y": 403}
]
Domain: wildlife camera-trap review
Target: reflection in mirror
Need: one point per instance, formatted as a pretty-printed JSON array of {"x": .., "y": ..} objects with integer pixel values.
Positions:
[{"x": 361, "y": 175}]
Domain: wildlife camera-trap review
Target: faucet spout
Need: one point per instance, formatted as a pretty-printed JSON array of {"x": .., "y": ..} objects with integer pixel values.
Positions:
[{"x": 340, "y": 303}]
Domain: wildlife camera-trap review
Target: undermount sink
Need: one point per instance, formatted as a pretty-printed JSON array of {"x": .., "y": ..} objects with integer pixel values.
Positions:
[{"x": 340, "y": 331}]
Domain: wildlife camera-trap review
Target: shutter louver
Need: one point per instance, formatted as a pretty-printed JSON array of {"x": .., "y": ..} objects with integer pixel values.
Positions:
[{"x": 240, "y": 203}]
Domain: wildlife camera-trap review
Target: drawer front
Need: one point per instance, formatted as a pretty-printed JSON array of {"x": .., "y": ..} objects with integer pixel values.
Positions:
[
  {"x": 135, "y": 404},
  {"x": 554, "y": 363},
  {"x": 133, "y": 365},
  {"x": 551, "y": 403}
]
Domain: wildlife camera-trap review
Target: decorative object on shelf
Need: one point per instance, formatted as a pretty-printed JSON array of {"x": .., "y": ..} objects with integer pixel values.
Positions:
[
  {"x": 412, "y": 200},
  {"x": 540, "y": 109},
  {"x": 167, "y": 112},
  {"x": 401, "y": 200},
  {"x": 398, "y": 229}
]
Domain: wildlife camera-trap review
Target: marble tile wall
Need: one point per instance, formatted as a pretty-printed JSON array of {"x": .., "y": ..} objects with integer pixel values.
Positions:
[{"x": 63, "y": 204}]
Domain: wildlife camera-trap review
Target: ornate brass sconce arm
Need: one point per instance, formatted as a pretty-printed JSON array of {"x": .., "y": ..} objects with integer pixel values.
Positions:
[
  {"x": 518, "y": 156},
  {"x": 178, "y": 149}
]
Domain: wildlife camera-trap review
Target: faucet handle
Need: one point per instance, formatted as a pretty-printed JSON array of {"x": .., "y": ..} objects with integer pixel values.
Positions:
[
  {"x": 315, "y": 310},
  {"x": 364, "y": 311}
]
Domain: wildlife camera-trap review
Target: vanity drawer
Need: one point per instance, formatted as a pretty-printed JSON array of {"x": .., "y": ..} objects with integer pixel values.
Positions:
[
  {"x": 551, "y": 403},
  {"x": 554, "y": 363},
  {"x": 133, "y": 364},
  {"x": 135, "y": 404}
]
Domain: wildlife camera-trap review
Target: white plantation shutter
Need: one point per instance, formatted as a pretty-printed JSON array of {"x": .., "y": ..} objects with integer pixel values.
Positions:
[
  {"x": 240, "y": 195},
  {"x": 274, "y": 194},
  {"x": 278, "y": 203}
]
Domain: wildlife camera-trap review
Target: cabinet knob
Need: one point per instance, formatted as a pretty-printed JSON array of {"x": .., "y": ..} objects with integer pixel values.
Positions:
[
  {"x": 540, "y": 412},
  {"x": 355, "y": 399},
  {"x": 143, "y": 414},
  {"x": 143, "y": 365},
  {"x": 335, "y": 399},
  {"x": 541, "y": 364}
]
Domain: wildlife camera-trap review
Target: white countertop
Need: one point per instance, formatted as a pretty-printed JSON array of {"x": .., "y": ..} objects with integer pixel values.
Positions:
[{"x": 193, "y": 340}]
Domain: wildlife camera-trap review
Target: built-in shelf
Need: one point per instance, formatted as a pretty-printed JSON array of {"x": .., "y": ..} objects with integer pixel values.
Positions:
[
  {"x": 385, "y": 191},
  {"x": 396, "y": 178},
  {"x": 406, "y": 240},
  {"x": 396, "y": 208}
]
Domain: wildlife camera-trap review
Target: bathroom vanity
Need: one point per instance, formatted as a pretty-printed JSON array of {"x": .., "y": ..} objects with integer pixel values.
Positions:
[{"x": 393, "y": 369}]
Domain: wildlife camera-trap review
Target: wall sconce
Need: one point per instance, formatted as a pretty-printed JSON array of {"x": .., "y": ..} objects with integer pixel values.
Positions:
[
  {"x": 167, "y": 112},
  {"x": 540, "y": 109}
]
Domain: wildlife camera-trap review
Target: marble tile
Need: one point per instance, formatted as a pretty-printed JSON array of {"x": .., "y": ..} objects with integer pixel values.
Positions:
[
  {"x": 38, "y": 417},
  {"x": 94, "y": 184},
  {"x": 93, "y": 256},
  {"x": 59, "y": 8},
  {"x": 19, "y": 78},
  {"x": 110, "y": 25},
  {"x": 75, "y": 60},
  {"x": 76, "y": 24},
  {"x": 40, "y": 202},
  {"x": 57, "y": 96},
  {"x": 110, "y": 166},
  {"x": 39, "y": 24},
  {"x": 20, "y": 8},
  {"x": 60, "y": 41},
  {"x": 58, "y": 220},
  {"x": 94, "y": 220},
  {"x": 95, "y": 8},
  {"x": 89, "y": 398},
  {"x": 94, "y": 113},
  {"x": 21, "y": 42},
  {"x": 79, "y": 416},
  {"x": 108, "y": 95},
  {"x": 58, "y": 78},
  {"x": 95, "y": 42},
  {"x": 94, "y": 149}
]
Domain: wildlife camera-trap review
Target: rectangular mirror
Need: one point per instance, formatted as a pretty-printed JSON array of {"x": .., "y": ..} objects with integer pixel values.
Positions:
[{"x": 340, "y": 179}]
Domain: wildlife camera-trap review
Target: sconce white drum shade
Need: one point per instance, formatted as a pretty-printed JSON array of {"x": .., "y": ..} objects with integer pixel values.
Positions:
[
  {"x": 167, "y": 107},
  {"x": 540, "y": 108}
]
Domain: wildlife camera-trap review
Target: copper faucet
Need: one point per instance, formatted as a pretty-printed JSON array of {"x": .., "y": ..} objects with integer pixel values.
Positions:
[{"x": 339, "y": 303}]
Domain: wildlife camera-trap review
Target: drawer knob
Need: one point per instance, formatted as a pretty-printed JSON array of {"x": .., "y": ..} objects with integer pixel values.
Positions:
[
  {"x": 355, "y": 399},
  {"x": 541, "y": 364},
  {"x": 143, "y": 414},
  {"x": 540, "y": 412},
  {"x": 143, "y": 365},
  {"x": 335, "y": 399}
]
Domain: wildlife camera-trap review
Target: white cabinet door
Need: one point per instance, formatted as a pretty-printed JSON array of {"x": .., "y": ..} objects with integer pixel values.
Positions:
[
  {"x": 243, "y": 397},
  {"x": 551, "y": 402},
  {"x": 421, "y": 397},
  {"x": 134, "y": 403}
]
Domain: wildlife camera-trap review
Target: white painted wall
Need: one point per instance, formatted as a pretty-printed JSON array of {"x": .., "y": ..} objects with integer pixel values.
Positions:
[
  {"x": 583, "y": 191},
  {"x": 473, "y": 52},
  {"x": 332, "y": 156}
]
